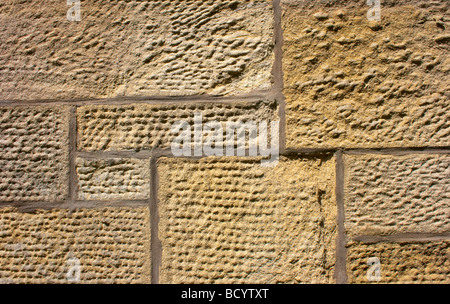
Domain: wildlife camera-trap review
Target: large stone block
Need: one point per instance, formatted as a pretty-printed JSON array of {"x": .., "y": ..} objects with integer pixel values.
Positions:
[
  {"x": 230, "y": 220},
  {"x": 351, "y": 82},
  {"x": 33, "y": 153},
  {"x": 397, "y": 194},
  {"x": 135, "y": 48},
  {"x": 113, "y": 179},
  {"x": 110, "y": 245},
  {"x": 399, "y": 263},
  {"x": 147, "y": 126}
]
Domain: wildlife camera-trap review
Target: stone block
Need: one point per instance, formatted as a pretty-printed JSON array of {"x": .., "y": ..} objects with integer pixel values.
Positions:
[
  {"x": 109, "y": 245},
  {"x": 406, "y": 263},
  {"x": 230, "y": 220},
  {"x": 135, "y": 48},
  {"x": 147, "y": 126},
  {"x": 113, "y": 179},
  {"x": 387, "y": 194},
  {"x": 355, "y": 83},
  {"x": 34, "y": 159}
]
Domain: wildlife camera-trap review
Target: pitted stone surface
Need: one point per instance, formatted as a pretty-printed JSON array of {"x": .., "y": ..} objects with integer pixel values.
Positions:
[
  {"x": 33, "y": 153},
  {"x": 146, "y": 126},
  {"x": 424, "y": 263},
  {"x": 113, "y": 179},
  {"x": 134, "y": 48},
  {"x": 397, "y": 194},
  {"x": 350, "y": 82},
  {"x": 112, "y": 245},
  {"x": 229, "y": 220}
]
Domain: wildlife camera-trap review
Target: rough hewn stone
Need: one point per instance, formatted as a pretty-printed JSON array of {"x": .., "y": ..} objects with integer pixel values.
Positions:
[
  {"x": 397, "y": 194},
  {"x": 401, "y": 263},
  {"x": 111, "y": 244},
  {"x": 33, "y": 153},
  {"x": 113, "y": 179},
  {"x": 229, "y": 220},
  {"x": 350, "y": 82},
  {"x": 146, "y": 126},
  {"x": 134, "y": 48}
]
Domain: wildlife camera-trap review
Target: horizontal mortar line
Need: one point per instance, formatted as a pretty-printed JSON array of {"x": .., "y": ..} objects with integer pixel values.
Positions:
[
  {"x": 290, "y": 151},
  {"x": 123, "y": 100},
  {"x": 166, "y": 152},
  {"x": 142, "y": 154},
  {"x": 33, "y": 206},
  {"x": 398, "y": 150},
  {"x": 362, "y": 151},
  {"x": 19, "y": 203},
  {"x": 145, "y": 154},
  {"x": 258, "y": 158},
  {"x": 403, "y": 237},
  {"x": 112, "y": 203}
]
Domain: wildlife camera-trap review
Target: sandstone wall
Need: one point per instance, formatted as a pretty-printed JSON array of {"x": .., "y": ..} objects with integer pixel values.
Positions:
[{"x": 90, "y": 191}]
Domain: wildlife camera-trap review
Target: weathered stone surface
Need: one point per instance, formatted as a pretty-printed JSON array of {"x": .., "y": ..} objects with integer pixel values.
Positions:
[
  {"x": 134, "y": 48},
  {"x": 350, "y": 82},
  {"x": 111, "y": 244},
  {"x": 397, "y": 194},
  {"x": 401, "y": 263},
  {"x": 113, "y": 179},
  {"x": 146, "y": 126},
  {"x": 229, "y": 220},
  {"x": 33, "y": 153}
]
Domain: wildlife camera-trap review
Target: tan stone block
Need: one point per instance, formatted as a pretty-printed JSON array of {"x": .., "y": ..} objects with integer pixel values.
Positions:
[
  {"x": 112, "y": 245},
  {"x": 350, "y": 82},
  {"x": 387, "y": 194},
  {"x": 33, "y": 153},
  {"x": 135, "y": 48},
  {"x": 229, "y": 220},
  {"x": 400, "y": 262},
  {"x": 113, "y": 179},
  {"x": 146, "y": 126}
]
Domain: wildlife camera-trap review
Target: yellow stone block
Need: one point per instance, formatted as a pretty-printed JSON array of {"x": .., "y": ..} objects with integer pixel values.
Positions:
[
  {"x": 105, "y": 245},
  {"x": 229, "y": 220},
  {"x": 34, "y": 147},
  {"x": 405, "y": 263},
  {"x": 351, "y": 82},
  {"x": 135, "y": 48}
]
